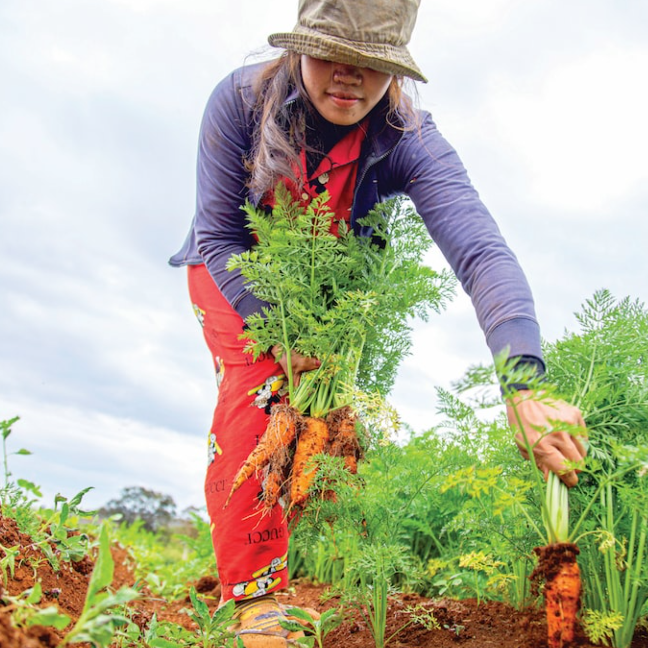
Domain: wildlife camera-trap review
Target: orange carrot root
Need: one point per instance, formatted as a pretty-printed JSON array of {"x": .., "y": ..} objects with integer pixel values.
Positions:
[
  {"x": 279, "y": 434},
  {"x": 344, "y": 439},
  {"x": 272, "y": 487},
  {"x": 351, "y": 464},
  {"x": 312, "y": 440},
  {"x": 562, "y": 591}
]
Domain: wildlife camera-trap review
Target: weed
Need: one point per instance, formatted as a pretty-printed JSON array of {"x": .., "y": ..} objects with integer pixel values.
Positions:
[
  {"x": 319, "y": 628},
  {"x": 214, "y": 629},
  {"x": 99, "y": 620},
  {"x": 8, "y": 562}
]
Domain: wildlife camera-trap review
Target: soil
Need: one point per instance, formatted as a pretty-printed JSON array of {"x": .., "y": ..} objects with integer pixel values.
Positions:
[{"x": 466, "y": 623}]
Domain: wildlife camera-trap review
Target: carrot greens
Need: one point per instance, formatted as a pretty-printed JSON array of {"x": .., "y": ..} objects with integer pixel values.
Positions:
[{"x": 346, "y": 300}]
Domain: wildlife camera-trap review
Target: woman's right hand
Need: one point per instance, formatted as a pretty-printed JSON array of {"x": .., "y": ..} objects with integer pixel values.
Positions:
[{"x": 299, "y": 363}]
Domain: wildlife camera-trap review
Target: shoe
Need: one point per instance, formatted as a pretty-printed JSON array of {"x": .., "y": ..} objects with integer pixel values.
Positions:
[{"x": 258, "y": 624}]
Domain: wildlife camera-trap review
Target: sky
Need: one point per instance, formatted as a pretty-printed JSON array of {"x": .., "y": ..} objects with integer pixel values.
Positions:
[{"x": 100, "y": 354}]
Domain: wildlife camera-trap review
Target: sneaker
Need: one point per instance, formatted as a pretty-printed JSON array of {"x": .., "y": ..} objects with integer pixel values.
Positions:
[{"x": 258, "y": 624}]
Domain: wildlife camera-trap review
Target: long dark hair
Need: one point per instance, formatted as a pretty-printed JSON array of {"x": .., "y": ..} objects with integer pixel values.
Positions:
[{"x": 279, "y": 129}]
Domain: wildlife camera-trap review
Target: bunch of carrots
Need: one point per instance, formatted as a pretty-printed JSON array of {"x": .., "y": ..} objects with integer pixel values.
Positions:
[
  {"x": 288, "y": 449},
  {"x": 344, "y": 299}
]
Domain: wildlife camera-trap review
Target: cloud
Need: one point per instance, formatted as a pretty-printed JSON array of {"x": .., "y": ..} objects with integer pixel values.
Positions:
[
  {"x": 75, "y": 449},
  {"x": 576, "y": 132}
]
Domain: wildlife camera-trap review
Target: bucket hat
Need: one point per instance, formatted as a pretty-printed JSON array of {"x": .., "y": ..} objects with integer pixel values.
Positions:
[{"x": 365, "y": 33}]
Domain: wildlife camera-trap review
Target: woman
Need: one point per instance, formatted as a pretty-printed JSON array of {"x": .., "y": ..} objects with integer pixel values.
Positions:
[{"x": 330, "y": 113}]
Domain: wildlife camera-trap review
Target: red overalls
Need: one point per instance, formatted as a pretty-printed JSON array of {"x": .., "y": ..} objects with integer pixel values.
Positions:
[{"x": 251, "y": 548}]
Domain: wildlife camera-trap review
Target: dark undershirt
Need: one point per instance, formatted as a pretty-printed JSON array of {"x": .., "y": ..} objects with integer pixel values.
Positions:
[{"x": 321, "y": 137}]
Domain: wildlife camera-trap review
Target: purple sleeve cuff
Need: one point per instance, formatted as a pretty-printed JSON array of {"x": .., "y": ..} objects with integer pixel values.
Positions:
[{"x": 519, "y": 336}]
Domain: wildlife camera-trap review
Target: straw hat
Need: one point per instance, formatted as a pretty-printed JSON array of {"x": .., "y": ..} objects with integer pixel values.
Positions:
[{"x": 366, "y": 33}]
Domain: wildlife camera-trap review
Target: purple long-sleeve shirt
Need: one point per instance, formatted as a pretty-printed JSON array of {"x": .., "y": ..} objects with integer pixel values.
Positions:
[{"x": 417, "y": 162}]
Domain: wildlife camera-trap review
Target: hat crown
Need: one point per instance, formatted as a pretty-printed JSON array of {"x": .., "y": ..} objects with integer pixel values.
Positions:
[
  {"x": 366, "y": 33},
  {"x": 380, "y": 22}
]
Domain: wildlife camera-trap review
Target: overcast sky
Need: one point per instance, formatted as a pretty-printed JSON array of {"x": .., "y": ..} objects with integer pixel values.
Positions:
[{"x": 100, "y": 105}]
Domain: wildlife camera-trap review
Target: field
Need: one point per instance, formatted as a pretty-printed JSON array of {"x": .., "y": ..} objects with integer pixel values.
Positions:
[
  {"x": 430, "y": 544},
  {"x": 463, "y": 622}
]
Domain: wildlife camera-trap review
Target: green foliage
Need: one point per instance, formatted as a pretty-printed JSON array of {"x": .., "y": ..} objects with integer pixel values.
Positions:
[
  {"x": 408, "y": 499},
  {"x": 214, "y": 629},
  {"x": 102, "y": 611},
  {"x": 602, "y": 369},
  {"x": 5, "y": 430},
  {"x": 167, "y": 563},
  {"x": 25, "y": 610},
  {"x": 601, "y": 626},
  {"x": 319, "y": 628},
  {"x": 8, "y": 561},
  {"x": 345, "y": 300},
  {"x": 375, "y": 569},
  {"x": 99, "y": 619},
  {"x": 16, "y": 497},
  {"x": 453, "y": 512},
  {"x": 61, "y": 540}
]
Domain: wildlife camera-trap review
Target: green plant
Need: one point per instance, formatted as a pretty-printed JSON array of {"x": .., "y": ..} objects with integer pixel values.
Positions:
[
  {"x": 8, "y": 561},
  {"x": 99, "y": 618},
  {"x": 5, "y": 429},
  {"x": 16, "y": 496},
  {"x": 318, "y": 628},
  {"x": 25, "y": 612},
  {"x": 102, "y": 612},
  {"x": 622, "y": 591},
  {"x": 51, "y": 531},
  {"x": 374, "y": 571},
  {"x": 167, "y": 562},
  {"x": 602, "y": 370},
  {"x": 166, "y": 634},
  {"x": 214, "y": 629},
  {"x": 600, "y": 626},
  {"x": 69, "y": 544}
]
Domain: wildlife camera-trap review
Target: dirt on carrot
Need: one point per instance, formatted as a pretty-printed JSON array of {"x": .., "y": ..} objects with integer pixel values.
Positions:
[
  {"x": 286, "y": 450},
  {"x": 272, "y": 489},
  {"x": 279, "y": 434},
  {"x": 558, "y": 569},
  {"x": 344, "y": 442}
]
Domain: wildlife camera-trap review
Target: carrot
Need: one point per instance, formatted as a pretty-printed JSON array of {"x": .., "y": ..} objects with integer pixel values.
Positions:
[
  {"x": 272, "y": 487},
  {"x": 280, "y": 432},
  {"x": 312, "y": 440},
  {"x": 342, "y": 425},
  {"x": 562, "y": 590},
  {"x": 344, "y": 438},
  {"x": 351, "y": 464}
]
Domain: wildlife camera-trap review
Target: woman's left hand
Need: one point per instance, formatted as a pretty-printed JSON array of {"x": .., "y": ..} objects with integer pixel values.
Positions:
[
  {"x": 299, "y": 363},
  {"x": 552, "y": 446}
]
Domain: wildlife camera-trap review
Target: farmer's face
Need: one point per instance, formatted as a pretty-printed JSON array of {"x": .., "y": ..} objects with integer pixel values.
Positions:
[{"x": 342, "y": 94}]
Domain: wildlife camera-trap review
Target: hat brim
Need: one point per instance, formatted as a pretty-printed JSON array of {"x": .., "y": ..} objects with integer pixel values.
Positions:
[{"x": 388, "y": 59}]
